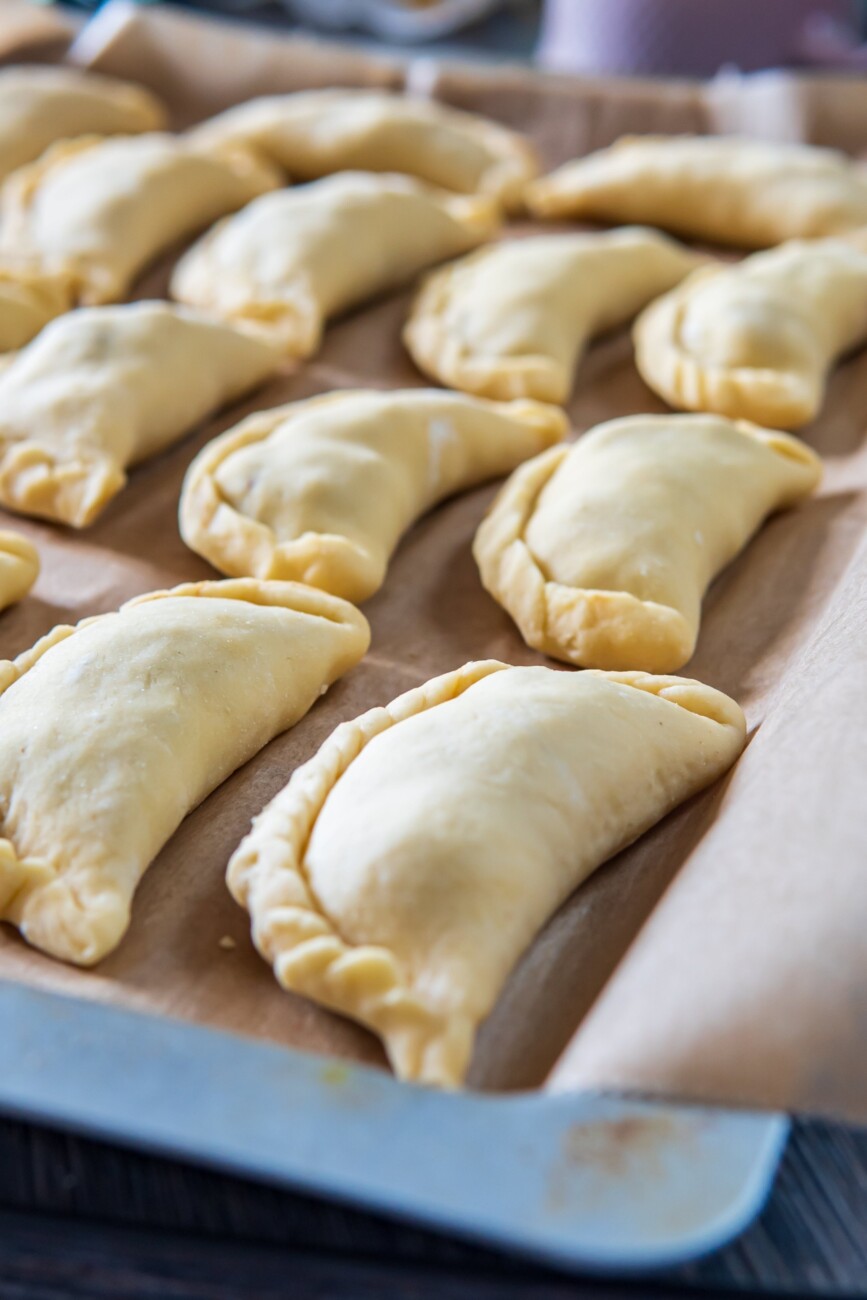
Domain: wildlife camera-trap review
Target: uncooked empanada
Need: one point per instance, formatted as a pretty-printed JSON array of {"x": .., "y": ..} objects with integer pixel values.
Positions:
[
  {"x": 602, "y": 551},
  {"x": 19, "y": 567},
  {"x": 747, "y": 193},
  {"x": 112, "y": 731},
  {"x": 101, "y": 210},
  {"x": 322, "y": 490},
  {"x": 513, "y": 320},
  {"x": 103, "y": 388},
  {"x": 402, "y": 872},
  {"x": 40, "y": 105},
  {"x": 757, "y": 340},
  {"x": 316, "y": 132},
  {"x": 29, "y": 299},
  {"x": 292, "y": 260}
]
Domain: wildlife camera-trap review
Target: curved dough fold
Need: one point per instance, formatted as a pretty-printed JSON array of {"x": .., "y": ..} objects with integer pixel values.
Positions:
[
  {"x": 29, "y": 299},
  {"x": 104, "y": 388},
  {"x": 322, "y": 490},
  {"x": 19, "y": 567},
  {"x": 723, "y": 189},
  {"x": 292, "y": 260},
  {"x": 756, "y": 341},
  {"x": 41, "y": 105},
  {"x": 102, "y": 210},
  {"x": 602, "y": 551},
  {"x": 513, "y": 320},
  {"x": 112, "y": 731},
  {"x": 313, "y": 133},
  {"x": 402, "y": 872}
]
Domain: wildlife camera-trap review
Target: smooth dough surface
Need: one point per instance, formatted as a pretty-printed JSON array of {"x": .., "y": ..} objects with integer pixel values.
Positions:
[
  {"x": 512, "y": 320},
  {"x": 602, "y": 551},
  {"x": 292, "y": 260},
  {"x": 29, "y": 299},
  {"x": 727, "y": 190},
  {"x": 321, "y": 491},
  {"x": 19, "y": 567},
  {"x": 40, "y": 105},
  {"x": 102, "y": 210},
  {"x": 316, "y": 132},
  {"x": 111, "y": 732},
  {"x": 757, "y": 340},
  {"x": 402, "y": 872},
  {"x": 103, "y": 388}
]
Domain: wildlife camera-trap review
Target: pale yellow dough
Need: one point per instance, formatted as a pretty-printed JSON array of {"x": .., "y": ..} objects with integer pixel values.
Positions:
[
  {"x": 103, "y": 388},
  {"x": 316, "y": 132},
  {"x": 402, "y": 872},
  {"x": 602, "y": 551},
  {"x": 111, "y": 732},
  {"x": 321, "y": 491},
  {"x": 29, "y": 299},
  {"x": 757, "y": 340},
  {"x": 19, "y": 567},
  {"x": 102, "y": 210},
  {"x": 513, "y": 320},
  {"x": 40, "y": 105},
  {"x": 723, "y": 189},
  {"x": 292, "y": 260}
]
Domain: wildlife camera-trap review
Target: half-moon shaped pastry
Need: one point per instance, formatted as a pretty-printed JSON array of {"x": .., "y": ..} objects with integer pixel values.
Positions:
[
  {"x": 602, "y": 551},
  {"x": 757, "y": 340},
  {"x": 29, "y": 299},
  {"x": 19, "y": 567},
  {"x": 316, "y": 132},
  {"x": 403, "y": 871},
  {"x": 726, "y": 190},
  {"x": 103, "y": 388},
  {"x": 102, "y": 210},
  {"x": 321, "y": 491},
  {"x": 512, "y": 320},
  {"x": 112, "y": 731},
  {"x": 292, "y": 260},
  {"x": 40, "y": 105}
]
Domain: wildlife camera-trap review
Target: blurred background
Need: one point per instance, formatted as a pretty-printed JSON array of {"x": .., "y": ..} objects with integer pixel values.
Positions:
[{"x": 691, "y": 38}]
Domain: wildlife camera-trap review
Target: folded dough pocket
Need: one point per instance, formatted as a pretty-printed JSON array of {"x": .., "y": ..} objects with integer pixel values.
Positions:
[
  {"x": 513, "y": 320},
  {"x": 103, "y": 388},
  {"x": 40, "y": 105},
  {"x": 102, "y": 210},
  {"x": 292, "y": 260},
  {"x": 19, "y": 567},
  {"x": 402, "y": 872},
  {"x": 756, "y": 341},
  {"x": 722, "y": 189},
  {"x": 316, "y": 132},
  {"x": 111, "y": 732},
  {"x": 29, "y": 298},
  {"x": 321, "y": 491},
  {"x": 602, "y": 551}
]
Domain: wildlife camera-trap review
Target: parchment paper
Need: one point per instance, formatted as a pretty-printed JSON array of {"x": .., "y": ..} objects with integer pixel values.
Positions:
[{"x": 747, "y": 983}]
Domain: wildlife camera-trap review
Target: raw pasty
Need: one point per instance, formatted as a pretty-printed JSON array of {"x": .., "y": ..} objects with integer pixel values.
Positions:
[
  {"x": 322, "y": 490},
  {"x": 101, "y": 210},
  {"x": 19, "y": 567},
  {"x": 757, "y": 340},
  {"x": 513, "y": 320},
  {"x": 320, "y": 131},
  {"x": 292, "y": 260},
  {"x": 29, "y": 299},
  {"x": 602, "y": 551},
  {"x": 747, "y": 193},
  {"x": 40, "y": 105},
  {"x": 111, "y": 732},
  {"x": 403, "y": 871},
  {"x": 103, "y": 388}
]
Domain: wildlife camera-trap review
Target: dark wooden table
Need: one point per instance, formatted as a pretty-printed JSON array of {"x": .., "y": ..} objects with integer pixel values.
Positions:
[{"x": 83, "y": 1219}]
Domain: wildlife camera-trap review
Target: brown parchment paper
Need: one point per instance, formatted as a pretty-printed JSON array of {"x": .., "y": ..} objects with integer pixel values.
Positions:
[{"x": 746, "y": 982}]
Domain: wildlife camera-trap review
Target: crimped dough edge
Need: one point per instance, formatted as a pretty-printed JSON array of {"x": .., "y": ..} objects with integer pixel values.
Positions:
[{"x": 779, "y": 399}]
